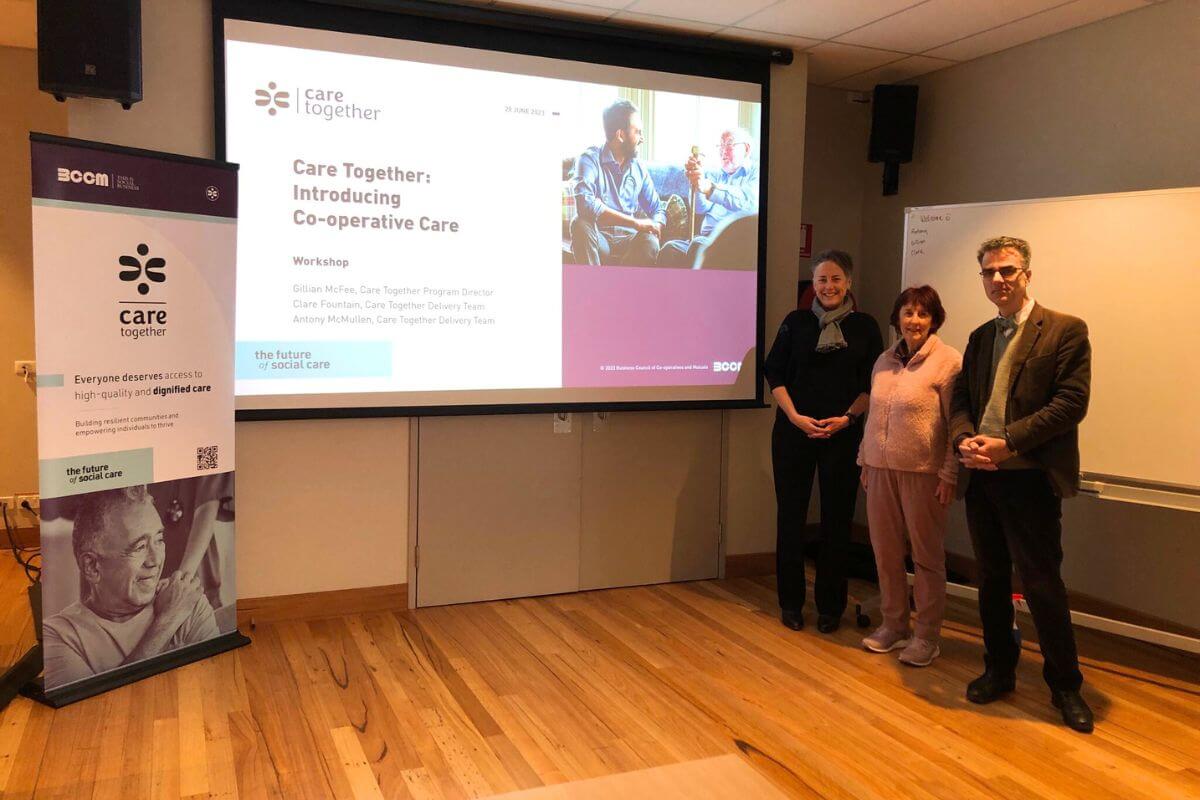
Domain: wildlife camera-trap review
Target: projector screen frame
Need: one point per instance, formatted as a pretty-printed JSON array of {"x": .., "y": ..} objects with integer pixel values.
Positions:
[{"x": 524, "y": 34}]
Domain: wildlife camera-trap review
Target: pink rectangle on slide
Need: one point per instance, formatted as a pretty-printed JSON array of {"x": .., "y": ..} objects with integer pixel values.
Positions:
[{"x": 646, "y": 326}]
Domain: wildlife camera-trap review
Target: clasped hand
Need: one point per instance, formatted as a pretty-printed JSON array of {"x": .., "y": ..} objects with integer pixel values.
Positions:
[
  {"x": 983, "y": 452},
  {"x": 175, "y": 598},
  {"x": 820, "y": 428},
  {"x": 648, "y": 226},
  {"x": 695, "y": 175}
]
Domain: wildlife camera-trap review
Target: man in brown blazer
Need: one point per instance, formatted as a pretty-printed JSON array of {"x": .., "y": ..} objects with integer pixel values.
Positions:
[{"x": 1015, "y": 416}]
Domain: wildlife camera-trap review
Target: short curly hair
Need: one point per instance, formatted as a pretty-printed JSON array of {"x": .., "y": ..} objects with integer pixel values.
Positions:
[
  {"x": 927, "y": 298},
  {"x": 96, "y": 512},
  {"x": 1000, "y": 243}
]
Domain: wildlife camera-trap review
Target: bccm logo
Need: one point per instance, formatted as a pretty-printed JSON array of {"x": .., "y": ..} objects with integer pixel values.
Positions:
[
  {"x": 141, "y": 322},
  {"x": 82, "y": 176},
  {"x": 727, "y": 366}
]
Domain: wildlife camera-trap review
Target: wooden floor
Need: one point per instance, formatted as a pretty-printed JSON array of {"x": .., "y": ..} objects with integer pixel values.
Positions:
[{"x": 664, "y": 688}]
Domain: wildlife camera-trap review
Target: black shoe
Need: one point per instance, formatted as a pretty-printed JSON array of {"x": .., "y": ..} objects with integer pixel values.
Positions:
[
  {"x": 1075, "y": 711},
  {"x": 989, "y": 686},
  {"x": 828, "y": 623},
  {"x": 793, "y": 620}
]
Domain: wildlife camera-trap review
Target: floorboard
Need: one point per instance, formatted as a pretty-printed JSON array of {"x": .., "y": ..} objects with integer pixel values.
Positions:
[{"x": 677, "y": 691}]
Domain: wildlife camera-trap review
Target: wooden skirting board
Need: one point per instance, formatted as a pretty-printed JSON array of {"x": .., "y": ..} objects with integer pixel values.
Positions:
[
  {"x": 319, "y": 605},
  {"x": 754, "y": 565},
  {"x": 27, "y": 537},
  {"x": 749, "y": 565}
]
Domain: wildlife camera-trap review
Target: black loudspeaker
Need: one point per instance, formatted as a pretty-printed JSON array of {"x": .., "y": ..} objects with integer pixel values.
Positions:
[
  {"x": 893, "y": 126},
  {"x": 90, "y": 48}
]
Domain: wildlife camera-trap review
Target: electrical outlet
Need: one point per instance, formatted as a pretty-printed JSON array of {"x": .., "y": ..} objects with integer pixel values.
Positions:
[
  {"x": 7, "y": 502},
  {"x": 24, "y": 367},
  {"x": 35, "y": 502}
]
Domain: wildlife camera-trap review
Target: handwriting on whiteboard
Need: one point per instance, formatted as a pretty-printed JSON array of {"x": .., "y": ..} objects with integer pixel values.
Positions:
[{"x": 916, "y": 241}]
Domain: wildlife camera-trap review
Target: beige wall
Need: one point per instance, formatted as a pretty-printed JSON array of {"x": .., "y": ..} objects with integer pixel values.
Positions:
[
  {"x": 25, "y": 109},
  {"x": 1109, "y": 107},
  {"x": 835, "y": 146},
  {"x": 750, "y": 493},
  {"x": 321, "y": 505},
  {"x": 176, "y": 115}
]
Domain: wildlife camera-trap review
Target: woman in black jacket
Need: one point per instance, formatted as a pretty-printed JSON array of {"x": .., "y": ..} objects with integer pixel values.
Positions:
[{"x": 819, "y": 370}]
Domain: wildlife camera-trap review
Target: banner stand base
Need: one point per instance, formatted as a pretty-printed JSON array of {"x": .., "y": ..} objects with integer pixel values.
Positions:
[
  {"x": 20, "y": 674},
  {"x": 90, "y": 687}
]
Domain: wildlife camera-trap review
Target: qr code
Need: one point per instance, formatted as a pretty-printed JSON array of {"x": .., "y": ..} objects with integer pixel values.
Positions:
[{"x": 206, "y": 457}]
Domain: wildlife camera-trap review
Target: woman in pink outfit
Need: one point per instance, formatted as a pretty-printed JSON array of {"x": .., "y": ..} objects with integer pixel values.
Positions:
[{"x": 909, "y": 473}]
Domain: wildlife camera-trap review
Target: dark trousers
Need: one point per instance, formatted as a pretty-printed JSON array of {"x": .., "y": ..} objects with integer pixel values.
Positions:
[
  {"x": 624, "y": 247},
  {"x": 1016, "y": 519},
  {"x": 796, "y": 458},
  {"x": 681, "y": 253}
]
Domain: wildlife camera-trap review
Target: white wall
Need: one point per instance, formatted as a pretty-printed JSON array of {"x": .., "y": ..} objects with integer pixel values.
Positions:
[{"x": 323, "y": 504}]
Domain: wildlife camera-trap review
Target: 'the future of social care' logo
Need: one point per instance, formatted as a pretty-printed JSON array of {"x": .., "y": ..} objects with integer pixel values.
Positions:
[
  {"x": 142, "y": 319},
  {"x": 328, "y": 103}
]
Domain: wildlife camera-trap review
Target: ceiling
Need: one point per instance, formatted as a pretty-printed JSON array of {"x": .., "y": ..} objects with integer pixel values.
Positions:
[
  {"x": 855, "y": 44},
  {"x": 850, "y": 44}
]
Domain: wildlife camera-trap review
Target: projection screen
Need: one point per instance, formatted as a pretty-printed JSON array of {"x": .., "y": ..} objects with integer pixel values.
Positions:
[{"x": 428, "y": 227}]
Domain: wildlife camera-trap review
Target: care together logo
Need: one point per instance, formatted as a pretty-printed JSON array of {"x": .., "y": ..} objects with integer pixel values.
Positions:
[
  {"x": 272, "y": 98},
  {"x": 325, "y": 102},
  {"x": 152, "y": 270},
  {"x": 141, "y": 319}
]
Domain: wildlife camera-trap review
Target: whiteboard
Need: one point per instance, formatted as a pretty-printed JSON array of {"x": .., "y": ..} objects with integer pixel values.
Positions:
[{"x": 1129, "y": 265}]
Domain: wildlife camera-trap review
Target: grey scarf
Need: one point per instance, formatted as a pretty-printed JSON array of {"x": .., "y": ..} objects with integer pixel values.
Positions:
[{"x": 831, "y": 332}]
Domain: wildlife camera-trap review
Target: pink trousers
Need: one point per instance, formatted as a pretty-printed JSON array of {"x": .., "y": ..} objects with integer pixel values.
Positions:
[{"x": 901, "y": 510}]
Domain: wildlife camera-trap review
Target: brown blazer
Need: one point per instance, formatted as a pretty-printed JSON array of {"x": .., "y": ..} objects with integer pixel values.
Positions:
[{"x": 1051, "y": 381}]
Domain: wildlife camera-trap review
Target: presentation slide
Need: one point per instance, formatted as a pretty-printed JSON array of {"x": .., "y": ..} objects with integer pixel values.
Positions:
[{"x": 426, "y": 225}]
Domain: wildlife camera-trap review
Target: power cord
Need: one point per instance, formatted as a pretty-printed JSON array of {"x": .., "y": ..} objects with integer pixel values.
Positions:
[{"x": 25, "y": 555}]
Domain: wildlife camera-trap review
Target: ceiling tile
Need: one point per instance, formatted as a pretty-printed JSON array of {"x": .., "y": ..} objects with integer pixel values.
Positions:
[
  {"x": 20, "y": 24},
  {"x": 938, "y": 22},
  {"x": 797, "y": 43},
  {"x": 821, "y": 19},
  {"x": 830, "y": 61},
  {"x": 718, "y": 12},
  {"x": 665, "y": 23},
  {"x": 1056, "y": 20},
  {"x": 895, "y": 72},
  {"x": 601, "y": 9}
]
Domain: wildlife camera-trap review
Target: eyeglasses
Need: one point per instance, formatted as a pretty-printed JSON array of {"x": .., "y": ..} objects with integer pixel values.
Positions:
[{"x": 1007, "y": 273}]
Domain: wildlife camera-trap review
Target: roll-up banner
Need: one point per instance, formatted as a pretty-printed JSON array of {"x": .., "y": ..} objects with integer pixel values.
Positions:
[{"x": 133, "y": 264}]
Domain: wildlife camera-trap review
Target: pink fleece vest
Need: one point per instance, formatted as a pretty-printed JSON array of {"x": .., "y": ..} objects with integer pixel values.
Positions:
[{"x": 907, "y": 424}]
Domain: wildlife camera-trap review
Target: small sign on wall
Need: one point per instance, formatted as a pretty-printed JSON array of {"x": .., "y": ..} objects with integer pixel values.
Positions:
[{"x": 805, "y": 240}]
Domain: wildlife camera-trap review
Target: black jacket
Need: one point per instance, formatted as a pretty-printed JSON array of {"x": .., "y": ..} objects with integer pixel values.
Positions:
[{"x": 823, "y": 385}]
